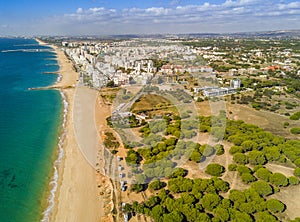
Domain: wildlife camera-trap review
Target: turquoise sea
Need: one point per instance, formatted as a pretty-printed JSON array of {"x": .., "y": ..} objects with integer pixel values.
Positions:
[{"x": 29, "y": 127}]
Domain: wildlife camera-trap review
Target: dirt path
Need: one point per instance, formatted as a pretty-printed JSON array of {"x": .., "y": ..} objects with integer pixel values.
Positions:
[
  {"x": 291, "y": 198},
  {"x": 275, "y": 168}
]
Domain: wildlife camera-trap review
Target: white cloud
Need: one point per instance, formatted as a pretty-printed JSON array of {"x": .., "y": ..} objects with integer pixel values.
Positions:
[
  {"x": 157, "y": 11},
  {"x": 79, "y": 10},
  {"x": 292, "y": 5},
  {"x": 230, "y": 3},
  {"x": 231, "y": 15}
]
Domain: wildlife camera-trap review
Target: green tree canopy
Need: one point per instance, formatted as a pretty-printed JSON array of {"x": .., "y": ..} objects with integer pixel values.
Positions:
[
  {"x": 207, "y": 150},
  {"x": 215, "y": 169},
  {"x": 137, "y": 187},
  {"x": 178, "y": 172},
  {"x": 237, "y": 216},
  {"x": 240, "y": 158},
  {"x": 173, "y": 216},
  {"x": 157, "y": 212},
  {"x": 232, "y": 167},
  {"x": 293, "y": 180},
  {"x": 220, "y": 149},
  {"x": 265, "y": 216},
  {"x": 156, "y": 185},
  {"x": 248, "y": 178},
  {"x": 263, "y": 188},
  {"x": 279, "y": 179},
  {"x": 152, "y": 201},
  {"x": 221, "y": 213},
  {"x": 196, "y": 156},
  {"x": 235, "y": 149},
  {"x": 243, "y": 169},
  {"x": 263, "y": 174},
  {"x": 295, "y": 130},
  {"x": 237, "y": 196},
  {"x": 249, "y": 145},
  {"x": 275, "y": 206},
  {"x": 210, "y": 201},
  {"x": 256, "y": 157}
]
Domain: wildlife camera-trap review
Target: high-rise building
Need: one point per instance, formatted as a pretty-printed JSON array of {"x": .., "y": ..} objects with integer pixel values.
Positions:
[{"x": 235, "y": 83}]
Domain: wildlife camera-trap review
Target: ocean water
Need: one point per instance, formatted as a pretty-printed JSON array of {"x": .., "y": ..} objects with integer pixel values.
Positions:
[{"x": 29, "y": 128}]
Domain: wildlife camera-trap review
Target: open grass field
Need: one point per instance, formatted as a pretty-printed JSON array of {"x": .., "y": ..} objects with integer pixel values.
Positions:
[
  {"x": 267, "y": 120},
  {"x": 153, "y": 104},
  {"x": 150, "y": 101}
]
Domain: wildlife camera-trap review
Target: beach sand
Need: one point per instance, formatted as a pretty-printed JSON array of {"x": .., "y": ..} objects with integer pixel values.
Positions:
[{"x": 77, "y": 197}]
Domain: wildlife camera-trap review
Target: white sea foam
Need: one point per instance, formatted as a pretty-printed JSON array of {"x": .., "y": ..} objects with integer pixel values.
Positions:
[
  {"x": 28, "y": 50},
  {"x": 59, "y": 78},
  {"x": 54, "y": 182}
]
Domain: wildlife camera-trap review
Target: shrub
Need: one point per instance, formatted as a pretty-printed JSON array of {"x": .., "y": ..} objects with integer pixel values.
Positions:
[
  {"x": 137, "y": 187},
  {"x": 297, "y": 172},
  {"x": 114, "y": 152},
  {"x": 248, "y": 178},
  {"x": 220, "y": 149},
  {"x": 235, "y": 149},
  {"x": 156, "y": 185},
  {"x": 179, "y": 172},
  {"x": 221, "y": 214},
  {"x": 207, "y": 150},
  {"x": 210, "y": 201},
  {"x": 256, "y": 157},
  {"x": 265, "y": 216},
  {"x": 243, "y": 169},
  {"x": 237, "y": 196},
  {"x": 263, "y": 174},
  {"x": 293, "y": 180},
  {"x": 215, "y": 169},
  {"x": 232, "y": 167},
  {"x": 238, "y": 216},
  {"x": 257, "y": 167},
  {"x": 295, "y": 116},
  {"x": 240, "y": 158},
  {"x": 279, "y": 179},
  {"x": 196, "y": 156},
  {"x": 249, "y": 145},
  {"x": 275, "y": 206},
  {"x": 297, "y": 162},
  {"x": 295, "y": 130},
  {"x": 262, "y": 188}
]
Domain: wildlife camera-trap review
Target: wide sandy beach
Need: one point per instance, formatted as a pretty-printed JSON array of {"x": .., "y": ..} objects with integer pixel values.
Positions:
[{"x": 77, "y": 197}]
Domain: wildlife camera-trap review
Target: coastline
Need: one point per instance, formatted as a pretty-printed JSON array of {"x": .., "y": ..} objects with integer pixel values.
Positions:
[{"x": 75, "y": 195}]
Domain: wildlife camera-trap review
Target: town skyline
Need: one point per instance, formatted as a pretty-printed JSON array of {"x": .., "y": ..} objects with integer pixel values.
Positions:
[{"x": 101, "y": 17}]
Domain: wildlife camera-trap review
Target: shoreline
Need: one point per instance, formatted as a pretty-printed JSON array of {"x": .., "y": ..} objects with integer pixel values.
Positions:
[
  {"x": 57, "y": 167},
  {"x": 75, "y": 195}
]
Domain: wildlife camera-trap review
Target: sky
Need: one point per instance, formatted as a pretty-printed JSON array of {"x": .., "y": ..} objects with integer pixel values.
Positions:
[{"x": 113, "y": 17}]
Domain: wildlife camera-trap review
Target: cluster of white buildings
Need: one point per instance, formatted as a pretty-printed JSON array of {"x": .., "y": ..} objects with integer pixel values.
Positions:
[
  {"x": 258, "y": 59},
  {"x": 212, "y": 91},
  {"x": 130, "y": 61}
]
